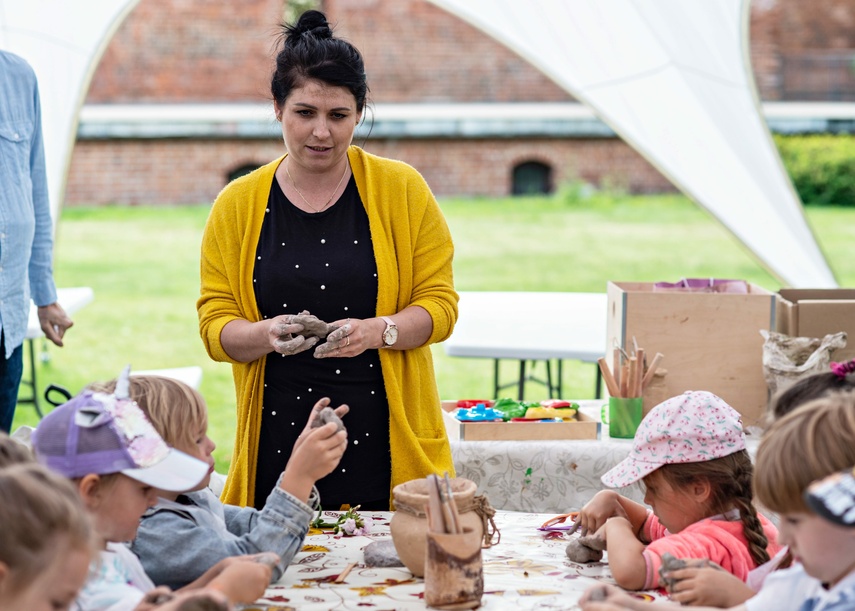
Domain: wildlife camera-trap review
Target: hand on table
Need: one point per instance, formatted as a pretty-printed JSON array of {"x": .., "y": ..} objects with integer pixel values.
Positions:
[
  {"x": 707, "y": 585},
  {"x": 608, "y": 598},
  {"x": 597, "y": 511},
  {"x": 54, "y": 322},
  {"x": 244, "y": 580}
]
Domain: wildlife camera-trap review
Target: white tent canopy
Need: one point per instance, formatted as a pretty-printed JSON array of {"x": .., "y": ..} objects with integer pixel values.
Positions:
[
  {"x": 673, "y": 79},
  {"x": 63, "y": 42}
]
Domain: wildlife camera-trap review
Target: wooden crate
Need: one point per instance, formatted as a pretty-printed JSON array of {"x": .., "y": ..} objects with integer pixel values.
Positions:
[
  {"x": 818, "y": 312},
  {"x": 710, "y": 341},
  {"x": 583, "y": 428}
]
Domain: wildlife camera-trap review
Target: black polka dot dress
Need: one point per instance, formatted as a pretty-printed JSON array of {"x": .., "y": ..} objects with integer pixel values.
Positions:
[{"x": 324, "y": 263}]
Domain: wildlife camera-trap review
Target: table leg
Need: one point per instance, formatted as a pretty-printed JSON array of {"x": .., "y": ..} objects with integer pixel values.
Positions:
[
  {"x": 31, "y": 382},
  {"x": 521, "y": 392},
  {"x": 549, "y": 387},
  {"x": 559, "y": 392},
  {"x": 496, "y": 387}
]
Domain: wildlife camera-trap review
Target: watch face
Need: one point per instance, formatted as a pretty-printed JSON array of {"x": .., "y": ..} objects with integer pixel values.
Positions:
[{"x": 390, "y": 335}]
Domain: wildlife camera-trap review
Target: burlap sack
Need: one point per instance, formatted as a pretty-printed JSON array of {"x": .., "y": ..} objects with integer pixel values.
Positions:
[{"x": 788, "y": 359}]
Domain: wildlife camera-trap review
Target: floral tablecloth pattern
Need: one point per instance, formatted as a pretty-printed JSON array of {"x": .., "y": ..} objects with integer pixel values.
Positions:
[
  {"x": 528, "y": 569},
  {"x": 540, "y": 476}
]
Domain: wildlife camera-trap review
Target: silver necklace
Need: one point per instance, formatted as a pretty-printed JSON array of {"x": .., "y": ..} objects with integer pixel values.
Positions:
[{"x": 303, "y": 197}]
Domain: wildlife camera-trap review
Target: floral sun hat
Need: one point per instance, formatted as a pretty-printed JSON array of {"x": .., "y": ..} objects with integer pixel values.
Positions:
[
  {"x": 102, "y": 433},
  {"x": 693, "y": 427}
]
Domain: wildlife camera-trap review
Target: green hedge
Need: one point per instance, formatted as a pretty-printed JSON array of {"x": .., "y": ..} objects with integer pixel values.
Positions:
[{"x": 822, "y": 167}]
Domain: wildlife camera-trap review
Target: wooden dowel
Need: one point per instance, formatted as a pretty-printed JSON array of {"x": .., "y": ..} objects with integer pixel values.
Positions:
[
  {"x": 639, "y": 355},
  {"x": 434, "y": 507},
  {"x": 343, "y": 575},
  {"x": 651, "y": 371},
  {"x": 452, "y": 505},
  {"x": 624, "y": 378},
  {"x": 616, "y": 366},
  {"x": 632, "y": 382},
  {"x": 608, "y": 378}
]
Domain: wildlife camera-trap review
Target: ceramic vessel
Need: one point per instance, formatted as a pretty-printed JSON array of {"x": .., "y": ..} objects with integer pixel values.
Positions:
[{"x": 409, "y": 525}]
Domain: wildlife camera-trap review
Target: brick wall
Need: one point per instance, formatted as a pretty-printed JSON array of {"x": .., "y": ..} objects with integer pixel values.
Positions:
[
  {"x": 130, "y": 172},
  {"x": 189, "y": 51},
  {"x": 201, "y": 51}
]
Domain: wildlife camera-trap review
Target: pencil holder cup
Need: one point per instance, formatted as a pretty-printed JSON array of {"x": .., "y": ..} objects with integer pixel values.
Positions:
[
  {"x": 625, "y": 415},
  {"x": 454, "y": 577},
  {"x": 409, "y": 523}
]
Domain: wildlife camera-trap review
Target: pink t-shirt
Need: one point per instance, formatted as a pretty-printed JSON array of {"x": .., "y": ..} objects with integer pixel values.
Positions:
[{"x": 721, "y": 541}]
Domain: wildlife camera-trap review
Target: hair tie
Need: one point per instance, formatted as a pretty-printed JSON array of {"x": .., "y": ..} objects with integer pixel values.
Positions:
[{"x": 841, "y": 370}]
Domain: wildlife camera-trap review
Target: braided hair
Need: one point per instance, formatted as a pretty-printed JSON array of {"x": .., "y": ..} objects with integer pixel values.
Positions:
[{"x": 730, "y": 483}]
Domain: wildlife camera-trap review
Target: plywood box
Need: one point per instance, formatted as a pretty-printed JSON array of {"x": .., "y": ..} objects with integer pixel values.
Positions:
[
  {"x": 583, "y": 428},
  {"x": 818, "y": 312},
  {"x": 710, "y": 341}
]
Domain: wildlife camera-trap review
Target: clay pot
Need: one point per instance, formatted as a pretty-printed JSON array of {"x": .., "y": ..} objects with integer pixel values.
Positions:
[{"x": 409, "y": 525}]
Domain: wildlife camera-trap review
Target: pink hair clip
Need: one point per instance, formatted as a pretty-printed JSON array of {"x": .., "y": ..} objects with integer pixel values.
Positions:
[{"x": 841, "y": 370}]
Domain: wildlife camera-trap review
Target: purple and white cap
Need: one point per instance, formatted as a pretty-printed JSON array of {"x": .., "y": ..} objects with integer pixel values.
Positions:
[{"x": 103, "y": 433}]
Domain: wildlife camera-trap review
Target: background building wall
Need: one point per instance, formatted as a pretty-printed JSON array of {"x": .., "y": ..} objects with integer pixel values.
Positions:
[{"x": 196, "y": 51}]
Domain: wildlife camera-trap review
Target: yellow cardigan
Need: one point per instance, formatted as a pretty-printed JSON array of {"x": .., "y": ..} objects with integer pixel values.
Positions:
[{"x": 413, "y": 252}]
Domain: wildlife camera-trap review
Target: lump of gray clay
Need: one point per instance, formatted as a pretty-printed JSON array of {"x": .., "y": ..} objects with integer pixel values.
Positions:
[
  {"x": 586, "y": 549},
  {"x": 381, "y": 553},
  {"x": 327, "y": 415},
  {"x": 312, "y": 325}
]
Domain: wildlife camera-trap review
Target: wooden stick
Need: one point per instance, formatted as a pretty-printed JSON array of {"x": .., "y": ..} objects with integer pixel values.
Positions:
[
  {"x": 343, "y": 575},
  {"x": 608, "y": 378},
  {"x": 633, "y": 377},
  {"x": 452, "y": 505},
  {"x": 639, "y": 372},
  {"x": 434, "y": 506},
  {"x": 616, "y": 365},
  {"x": 624, "y": 378},
  {"x": 651, "y": 371}
]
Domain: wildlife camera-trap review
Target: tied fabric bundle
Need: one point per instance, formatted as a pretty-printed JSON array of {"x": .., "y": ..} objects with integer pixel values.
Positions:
[{"x": 704, "y": 285}]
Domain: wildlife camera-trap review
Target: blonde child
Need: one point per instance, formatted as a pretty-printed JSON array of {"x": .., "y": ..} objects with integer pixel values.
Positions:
[
  {"x": 190, "y": 530},
  {"x": 116, "y": 460},
  {"x": 47, "y": 539},
  {"x": 690, "y": 453},
  {"x": 812, "y": 443},
  {"x": 715, "y": 588},
  {"x": 13, "y": 452}
]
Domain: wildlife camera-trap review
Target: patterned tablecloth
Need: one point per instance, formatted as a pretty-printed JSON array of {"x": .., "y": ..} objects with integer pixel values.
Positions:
[{"x": 528, "y": 569}]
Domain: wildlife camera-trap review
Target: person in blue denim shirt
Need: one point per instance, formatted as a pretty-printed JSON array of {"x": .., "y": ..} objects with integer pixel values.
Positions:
[{"x": 26, "y": 230}]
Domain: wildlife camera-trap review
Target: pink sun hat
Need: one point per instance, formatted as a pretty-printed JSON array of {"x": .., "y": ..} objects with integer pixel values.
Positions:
[{"x": 693, "y": 427}]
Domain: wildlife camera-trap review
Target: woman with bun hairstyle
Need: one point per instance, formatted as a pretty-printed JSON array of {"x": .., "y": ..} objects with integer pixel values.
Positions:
[{"x": 327, "y": 273}]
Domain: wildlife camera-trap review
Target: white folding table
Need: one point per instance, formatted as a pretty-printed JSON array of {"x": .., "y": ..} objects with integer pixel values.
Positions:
[
  {"x": 531, "y": 326},
  {"x": 71, "y": 300}
]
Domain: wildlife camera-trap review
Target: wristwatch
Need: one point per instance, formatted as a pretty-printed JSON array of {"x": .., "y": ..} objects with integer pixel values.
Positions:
[{"x": 390, "y": 334}]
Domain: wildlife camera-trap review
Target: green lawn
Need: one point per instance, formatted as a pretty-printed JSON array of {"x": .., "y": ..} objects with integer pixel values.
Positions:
[{"x": 142, "y": 263}]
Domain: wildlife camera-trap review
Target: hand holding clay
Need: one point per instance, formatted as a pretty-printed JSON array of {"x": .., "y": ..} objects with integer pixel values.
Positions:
[{"x": 312, "y": 325}]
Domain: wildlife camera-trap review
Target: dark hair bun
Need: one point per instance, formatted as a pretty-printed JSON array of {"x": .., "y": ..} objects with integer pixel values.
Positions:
[{"x": 312, "y": 23}]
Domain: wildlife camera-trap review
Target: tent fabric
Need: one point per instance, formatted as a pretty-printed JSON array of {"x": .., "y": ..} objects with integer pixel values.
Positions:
[
  {"x": 673, "y": 79},
  {"x": 63, "y": 42}
]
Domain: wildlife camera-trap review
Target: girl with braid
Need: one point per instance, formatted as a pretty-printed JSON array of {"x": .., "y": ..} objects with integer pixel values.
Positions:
[{"x": 690, "y": 453}]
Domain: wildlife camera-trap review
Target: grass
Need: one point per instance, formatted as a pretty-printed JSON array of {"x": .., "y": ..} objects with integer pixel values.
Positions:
[{"x": 143, "y": 262}]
